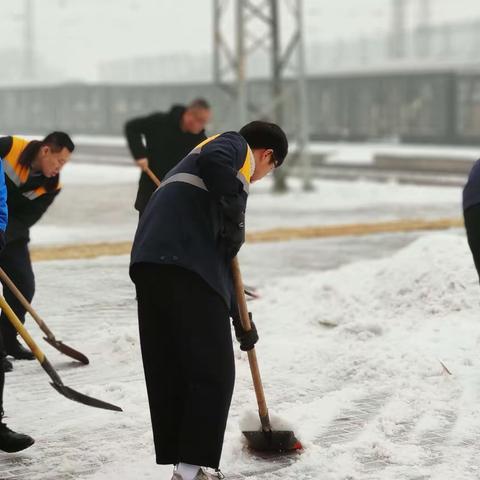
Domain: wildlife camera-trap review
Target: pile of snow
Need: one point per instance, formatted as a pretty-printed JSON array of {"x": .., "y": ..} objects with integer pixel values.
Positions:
[
  {"x": 425, "y": 278},
  {"x": 367, "y": 337}
]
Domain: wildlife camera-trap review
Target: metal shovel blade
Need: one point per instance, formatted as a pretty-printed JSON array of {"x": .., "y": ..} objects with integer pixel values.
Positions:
[
  {"x": 67, "y": 350},
  {"x": 272, "y": 441},
  {"x": 72, "y": 394}
]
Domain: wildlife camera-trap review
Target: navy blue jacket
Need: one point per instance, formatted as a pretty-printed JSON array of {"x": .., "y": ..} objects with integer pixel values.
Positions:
[
  {"x": 182, "y": 222},
  {"x": 471, "y": 191}
]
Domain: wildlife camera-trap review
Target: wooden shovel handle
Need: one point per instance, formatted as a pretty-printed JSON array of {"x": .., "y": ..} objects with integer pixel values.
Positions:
[
  {"x": 152, "y": 176},
  {"x": 252, "y": 356},
  {"x": 14, "y": 320},
  {"x": 26, "y": 304}
]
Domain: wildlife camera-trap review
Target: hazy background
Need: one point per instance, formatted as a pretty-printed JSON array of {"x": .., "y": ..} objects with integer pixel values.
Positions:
[
  {"x": 161, "y": 40},
  {"x": 86, "y": 66}
]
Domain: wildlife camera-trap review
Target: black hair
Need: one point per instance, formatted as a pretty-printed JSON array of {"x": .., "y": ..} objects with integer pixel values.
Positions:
[
  {"x": 259, "y": 134},
  {"x": 57, "y": 141},
  {"x": 199, "y": 103}
]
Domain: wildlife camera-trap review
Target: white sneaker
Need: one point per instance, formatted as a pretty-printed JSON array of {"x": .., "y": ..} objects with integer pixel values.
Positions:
[{"x": 201, "y": 475}]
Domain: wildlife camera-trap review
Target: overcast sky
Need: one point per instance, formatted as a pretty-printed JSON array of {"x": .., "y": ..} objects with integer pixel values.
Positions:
[{"x": 81, "y": 33}]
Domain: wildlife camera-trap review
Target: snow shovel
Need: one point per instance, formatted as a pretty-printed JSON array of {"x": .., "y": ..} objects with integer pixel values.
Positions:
[
  {"x": 152, "y": 176},
  {"x": 56, "y": 383},
  {"x": 251, "y": 292},
  {"x": 50, "y": 337},
  {"x": 264, "y": 439}
]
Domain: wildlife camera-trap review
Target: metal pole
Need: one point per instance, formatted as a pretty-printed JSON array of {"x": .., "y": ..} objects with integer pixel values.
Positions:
[
  {"x": 241, "y": 65},
  {"x": 397, "y": 39},
  {"x": 216, "y": 41},
  {"x": 29, "y": 54},
  {"x": 276, "y": 67},
  {"x": 304, "y": 133},
  {"x": 423, "y": 29},
  {"x": 279, "y": 180}
]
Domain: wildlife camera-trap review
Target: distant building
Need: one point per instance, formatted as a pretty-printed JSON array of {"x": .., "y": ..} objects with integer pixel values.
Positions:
[
  {"x": 449, "y": 44},
  {"x": 157, "y": 69},
  {"x": 13, "y": 73}
]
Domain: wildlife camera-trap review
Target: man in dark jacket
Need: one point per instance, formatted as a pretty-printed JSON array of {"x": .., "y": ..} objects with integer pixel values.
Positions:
[
  {"x": 471, "y": 213},
  {"x": 10, "y": 441},
  {"x": 185, "y": 294},
  {"x": 32, "y": 175},
  {"x": 159, "y": 141}
]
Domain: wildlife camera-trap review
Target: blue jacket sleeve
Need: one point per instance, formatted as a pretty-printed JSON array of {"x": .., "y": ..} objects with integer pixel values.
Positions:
[{"x": 3, "y": 200}]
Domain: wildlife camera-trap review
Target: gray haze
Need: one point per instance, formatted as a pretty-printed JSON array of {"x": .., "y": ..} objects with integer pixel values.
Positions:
[{"x": 75, "y": 39}]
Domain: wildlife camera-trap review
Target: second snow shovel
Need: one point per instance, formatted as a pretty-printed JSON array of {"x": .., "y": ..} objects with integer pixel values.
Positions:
[
  {"x": 152, "y": 176},
  {"x": 56, "y": 383},
  {"x": 265, "y": 439},
  {"x": 50, "y": 337}
]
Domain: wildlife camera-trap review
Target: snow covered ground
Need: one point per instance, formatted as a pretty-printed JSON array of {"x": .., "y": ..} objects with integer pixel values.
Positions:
[
  {"x": 96, "y": 204},
  {"x": 349, "y": 356},
  {"x": 352, "y": 333},
  {"x": 336, "y": 152},
  {"x": 364, "y": 153}
]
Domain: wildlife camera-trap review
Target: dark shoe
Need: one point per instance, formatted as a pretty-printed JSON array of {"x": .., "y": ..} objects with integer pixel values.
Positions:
[
  {"x": 18, "y": 351},
  {"x": 7, "y": 365},
  {"x": 11, "y": 441}
]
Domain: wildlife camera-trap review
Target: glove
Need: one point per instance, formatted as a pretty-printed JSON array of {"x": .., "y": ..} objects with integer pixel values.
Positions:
[
  {"x": 232, "y": 231},
  {"x": 3, "y": 240},
  {"x": 246, "y": 339}
]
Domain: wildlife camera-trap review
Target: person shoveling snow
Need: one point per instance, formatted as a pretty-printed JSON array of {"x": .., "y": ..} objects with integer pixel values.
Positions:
[{"x": 191, "y": 229}]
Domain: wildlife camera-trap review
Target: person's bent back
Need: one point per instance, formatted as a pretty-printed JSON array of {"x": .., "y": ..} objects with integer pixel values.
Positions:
[
  {"x": 32, "y": 175},
  {"x": 160, "y": 140},
  {"x": 192, "y": 227},
  {"x": 471, "y": 213}
]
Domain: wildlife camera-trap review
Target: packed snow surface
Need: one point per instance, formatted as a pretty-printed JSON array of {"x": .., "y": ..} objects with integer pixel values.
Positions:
[
  {"x": 96, "y": 205},
  {"x": 350, "y": 359}
]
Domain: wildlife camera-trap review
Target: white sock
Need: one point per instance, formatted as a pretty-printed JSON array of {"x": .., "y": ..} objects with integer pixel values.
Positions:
[{"x": 187, "y": 471}]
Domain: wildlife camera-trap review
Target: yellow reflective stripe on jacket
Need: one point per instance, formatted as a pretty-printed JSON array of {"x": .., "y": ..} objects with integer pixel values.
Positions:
[
  {"x": 16, "y": 172},
  {"x": 198, "y": 148},
  {"x": 246, "y": 171},
  {"x": 244, "y": 174},
  {"x": 248, "y": 166},
  {"x": 19, "y": 174},
  {"x": 38, "y": 192}
]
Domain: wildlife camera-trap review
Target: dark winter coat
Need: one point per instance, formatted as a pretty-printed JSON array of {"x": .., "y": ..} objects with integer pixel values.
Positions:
[
  {"x": 28, "y": 196},
  {"x": 471, "y": 191},
  {"x": 159, "y": 138},
  {"x": 184, "y": 220}
]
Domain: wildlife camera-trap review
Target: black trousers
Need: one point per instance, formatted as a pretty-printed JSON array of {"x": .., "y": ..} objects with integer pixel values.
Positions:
[
  {"x": 15, "y": 260},
  {"x": 188, "y": 361}
]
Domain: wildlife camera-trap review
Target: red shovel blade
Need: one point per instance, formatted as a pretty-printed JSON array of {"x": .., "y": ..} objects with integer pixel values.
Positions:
[
  {"x": 66, "y": 350},
  {"x": 72, "y": 394},
  {"x": 272, "y": 441}
]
